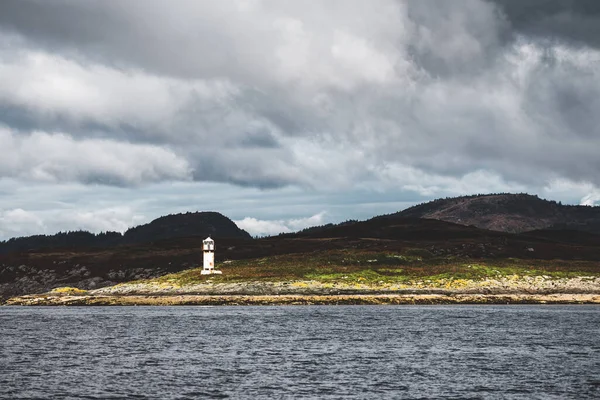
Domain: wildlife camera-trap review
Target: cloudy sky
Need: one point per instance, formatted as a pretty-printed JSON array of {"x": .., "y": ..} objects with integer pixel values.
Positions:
[{"x": 285, "y": 114}]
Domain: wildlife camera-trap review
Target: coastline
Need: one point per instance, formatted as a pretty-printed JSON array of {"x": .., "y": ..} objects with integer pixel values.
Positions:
[
  {"x": 504, "y": 290},
  {"x": 261, "y": 300}
]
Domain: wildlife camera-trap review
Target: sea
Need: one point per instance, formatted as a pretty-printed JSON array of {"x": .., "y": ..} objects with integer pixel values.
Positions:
[{"x": 301, "y": 352}]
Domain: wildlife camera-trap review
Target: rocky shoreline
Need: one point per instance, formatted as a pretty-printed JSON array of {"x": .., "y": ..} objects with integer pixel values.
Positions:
[
  {"x": 511, "y": 290},
  {"x": 256, "y": 300}
]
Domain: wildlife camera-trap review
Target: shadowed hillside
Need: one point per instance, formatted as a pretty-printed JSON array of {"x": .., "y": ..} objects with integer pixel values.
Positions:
[
  {"x": 185, "y": 225},
  {"x": 169, "y": 227}
]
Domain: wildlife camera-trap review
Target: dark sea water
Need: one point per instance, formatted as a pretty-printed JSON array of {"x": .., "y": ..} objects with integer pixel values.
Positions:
[{"x": 381, "y": 352}]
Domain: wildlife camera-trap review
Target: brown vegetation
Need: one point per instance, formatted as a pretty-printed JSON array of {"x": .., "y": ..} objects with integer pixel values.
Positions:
[
  {"x": 508, "y": 213},
  {"x": 386, "y": 248}
]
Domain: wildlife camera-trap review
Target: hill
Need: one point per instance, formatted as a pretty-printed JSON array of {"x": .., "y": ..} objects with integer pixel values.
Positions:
[
  {"x": 514, "y": 213},
  {"x": 168, "y": 227},
  {"x": 430, "y": 247},
  {"x": 185, "y": 225}
]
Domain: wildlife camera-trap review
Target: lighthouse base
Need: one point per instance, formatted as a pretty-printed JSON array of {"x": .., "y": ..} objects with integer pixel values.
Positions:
[{"x": 210, "y": 272}]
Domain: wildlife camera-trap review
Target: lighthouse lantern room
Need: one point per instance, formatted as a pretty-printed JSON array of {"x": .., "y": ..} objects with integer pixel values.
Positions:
[{"x": 208, "y": 248}]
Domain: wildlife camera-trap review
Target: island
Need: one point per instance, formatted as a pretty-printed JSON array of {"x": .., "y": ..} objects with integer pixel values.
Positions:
[{"x": 404, "y": 258}]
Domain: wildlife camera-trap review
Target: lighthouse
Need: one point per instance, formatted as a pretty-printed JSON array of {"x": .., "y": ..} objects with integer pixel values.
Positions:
[{"x": 208, "y": 248}]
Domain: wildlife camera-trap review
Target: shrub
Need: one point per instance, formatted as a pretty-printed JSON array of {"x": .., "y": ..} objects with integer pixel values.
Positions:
[{"x": 68, "y": 290}]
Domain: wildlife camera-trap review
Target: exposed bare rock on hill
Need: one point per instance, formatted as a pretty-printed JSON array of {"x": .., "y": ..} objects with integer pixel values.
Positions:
[{"x": 513, "y": 213}]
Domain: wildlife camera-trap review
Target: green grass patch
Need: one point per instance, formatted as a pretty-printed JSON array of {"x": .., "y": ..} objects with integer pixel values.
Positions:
[{"x": 356, "y": 266}]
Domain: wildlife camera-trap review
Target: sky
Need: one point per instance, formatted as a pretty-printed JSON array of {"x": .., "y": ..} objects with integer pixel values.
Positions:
[{"x": 287, "y": 114}]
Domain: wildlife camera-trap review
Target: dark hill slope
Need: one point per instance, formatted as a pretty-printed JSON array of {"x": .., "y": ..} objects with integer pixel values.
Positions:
[
  {"x": 185, "y": 225},
  {"x": 396, "y": 228},
  {"x": 513, "y": 213},
  {"x": 565, "y": 236},
  {"x": 169, "y": 227},
  {"x": 445, "y": 238}
]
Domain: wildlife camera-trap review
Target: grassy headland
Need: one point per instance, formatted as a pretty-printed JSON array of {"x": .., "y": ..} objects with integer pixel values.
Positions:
[
  {"x": 354, "y": 277},
  {"x": 391, "y": 255}
]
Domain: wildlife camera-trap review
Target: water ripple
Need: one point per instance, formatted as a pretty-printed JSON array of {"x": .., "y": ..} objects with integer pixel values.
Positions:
[{"x": 412, "y": 352}]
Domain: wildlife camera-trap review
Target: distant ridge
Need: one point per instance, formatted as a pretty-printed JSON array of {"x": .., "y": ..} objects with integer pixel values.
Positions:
[
  {"x": 172, "y": 226},
  {"x": 505, "y": 212}
]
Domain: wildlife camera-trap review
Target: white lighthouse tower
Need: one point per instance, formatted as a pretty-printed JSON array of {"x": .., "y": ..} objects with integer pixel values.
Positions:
[{"x": 208, "y": 248}]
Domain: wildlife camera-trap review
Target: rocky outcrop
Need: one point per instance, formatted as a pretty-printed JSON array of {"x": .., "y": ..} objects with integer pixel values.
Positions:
[
  {"x": 512, "y": 284},
  {"x": 19, "y": 279},
  {"x": 514, "y": 213},
  {"x": 360, "y": 299},
  {"x": 509, "y": 289}
]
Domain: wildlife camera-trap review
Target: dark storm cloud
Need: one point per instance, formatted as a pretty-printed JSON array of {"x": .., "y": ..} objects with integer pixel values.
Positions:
[
  {"x": 56, "y": 21},
  {"x": 443, "y": 43},
  {"x": 64, "y": 25},
  {"x": 317, "y": 94},
  {"x": 141, "y": 34},
  {"x": 112, "y": 113},
  {"x": 23, "y": 121},
  {"x": 577, "y": 21},
  {"x": 261, "y": 139}
]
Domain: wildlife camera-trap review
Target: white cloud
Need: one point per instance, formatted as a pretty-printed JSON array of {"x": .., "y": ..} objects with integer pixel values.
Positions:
[
  {"x": 338, "y": 100},
  {"x": 56, "y": 86},
  {"x": 258, "y": 227},
  {"x": 117, "y": 219},
  {"x": 591, "y": 199},
  {"x": 18, "y": 222},
  {"x": 582, "y": 192},
  {"x": 433, "y": 89},
  {"x": 43, "y": 156}
]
